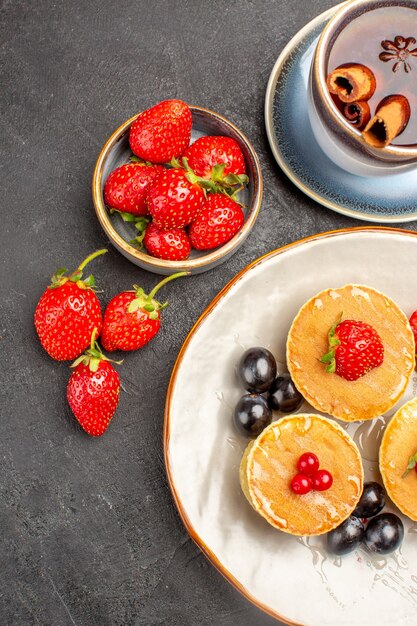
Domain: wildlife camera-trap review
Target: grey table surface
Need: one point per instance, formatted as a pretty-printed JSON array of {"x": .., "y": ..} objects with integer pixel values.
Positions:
[{"x": 89, "y": 532}]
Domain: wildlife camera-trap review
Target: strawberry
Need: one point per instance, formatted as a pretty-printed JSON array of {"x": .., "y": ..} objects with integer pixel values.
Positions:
[
  {"x": 172, "y": 245},
  {"x": 219, "y": 220},
  {"x": 125, "y": 188},
  {"x": 174, "y": 201},
  {"x": 161, "y": 132},
  {"x": 206, "y": 152},
  {"x": 132, "y": 318},
  {"x": 67, "y": 313},
  {"x": 355, "y": 348},
  {"x": 413, "y": 324},
  {"x": 93, "y": 390}
]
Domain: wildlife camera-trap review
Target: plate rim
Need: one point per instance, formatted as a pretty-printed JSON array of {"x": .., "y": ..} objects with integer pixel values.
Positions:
[
  {"x": 209, "y": 554},
  {"x": 268, "y": 108}
]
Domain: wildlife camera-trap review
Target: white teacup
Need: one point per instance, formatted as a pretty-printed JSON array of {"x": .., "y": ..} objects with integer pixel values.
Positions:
[{"x": 340, "y": 140}]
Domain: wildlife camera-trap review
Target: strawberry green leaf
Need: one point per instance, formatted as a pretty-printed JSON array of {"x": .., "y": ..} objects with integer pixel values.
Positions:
[
  {"x": 412, "y": 462},
  {"x": 141, "y": 223},
  {"x": 330, "y": 356},
  {"x": 331, "y": 368},
  {"x": 138, "y": 241},
  {"x": 139, "y": 161},
  {"x": 126, "y": 217},
  {"x": 175, "y": 164},
  {"x": 217, "y": 173},
  {"x": 134, "y": 305},
  {"x": 81, "y": 359},
  {"x": 74, "y": 278},
  {"x": 327, "y": 358},
  {"x": 236, "y": 179},
  {"x": 94, "y": 363},
  {"x": 89, "y": 281}
]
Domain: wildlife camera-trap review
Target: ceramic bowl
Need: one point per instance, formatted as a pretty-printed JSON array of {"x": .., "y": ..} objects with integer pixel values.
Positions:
[
  {"x": 116, "y": 151},
  {"x": 338, "y": 139}
]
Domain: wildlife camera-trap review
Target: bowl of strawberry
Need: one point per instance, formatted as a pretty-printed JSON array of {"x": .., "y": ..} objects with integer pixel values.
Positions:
[{"x": 177, "y": 188}]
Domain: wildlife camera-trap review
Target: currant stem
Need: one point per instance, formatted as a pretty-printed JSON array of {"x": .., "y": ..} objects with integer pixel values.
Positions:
[
  {"x": 165, "y": 281},
  {"x": 91, "y": 257}
]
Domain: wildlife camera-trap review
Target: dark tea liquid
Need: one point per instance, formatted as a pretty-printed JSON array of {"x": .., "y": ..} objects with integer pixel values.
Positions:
[{"x": 361, "y": 42}]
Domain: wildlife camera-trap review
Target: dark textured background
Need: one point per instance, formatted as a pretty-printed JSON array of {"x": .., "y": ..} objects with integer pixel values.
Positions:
[{"x": 89, "y": 532}]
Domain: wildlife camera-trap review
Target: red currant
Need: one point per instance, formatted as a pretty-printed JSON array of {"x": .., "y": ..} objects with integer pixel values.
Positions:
[
  {"x": 321, "y": 480},
  {"x": 301, "y": 484},
  {"x": 308, "y": 463}
]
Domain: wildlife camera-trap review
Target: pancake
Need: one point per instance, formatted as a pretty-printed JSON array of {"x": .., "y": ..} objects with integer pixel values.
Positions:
[
  {"x": 378, "y": 390},
  {"x": 398, "y": 444},
  {"x": 270, "y": 462}
]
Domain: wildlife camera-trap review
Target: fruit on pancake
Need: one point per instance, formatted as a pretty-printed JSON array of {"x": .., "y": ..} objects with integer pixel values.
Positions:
[
  {"x": 269, "y": 466},
  {"x": 361, "y": 398},
  {"x": 308, "y": 463},
  {"x": 354, "y": 349},
  {"x": 398, "y": 456},
  {"x": 301, "y": 484}
]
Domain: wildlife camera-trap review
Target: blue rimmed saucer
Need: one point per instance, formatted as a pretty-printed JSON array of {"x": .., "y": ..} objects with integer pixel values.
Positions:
[{"x": 385, "y": 200}]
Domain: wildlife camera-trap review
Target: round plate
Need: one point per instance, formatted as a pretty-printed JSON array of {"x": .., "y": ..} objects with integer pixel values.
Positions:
[
  {"x": 294, "y": 579},
  {"x": 391, "y": 199}
]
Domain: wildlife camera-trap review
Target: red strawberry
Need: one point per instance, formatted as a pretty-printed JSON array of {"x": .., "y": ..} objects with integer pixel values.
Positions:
[
  {"x": 218, "y": 221},
  {"x": 125, "y": 188},
  {"x": 174, "y": 201},
  {"x": 67, "y": 313},
  {"x": 209, "y": 151},
  {"x": 161, "y": 132},
  {"x": 172, "y": 245},
  {"x": 93, "y": 390},
  {"x": 413, "y": 324},
  {"x": 355, "y": 348},
  {"x": 132, "y": 318}
]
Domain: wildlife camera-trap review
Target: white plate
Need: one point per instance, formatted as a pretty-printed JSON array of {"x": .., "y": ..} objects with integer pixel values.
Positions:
[{"x": 292, "y": 578}]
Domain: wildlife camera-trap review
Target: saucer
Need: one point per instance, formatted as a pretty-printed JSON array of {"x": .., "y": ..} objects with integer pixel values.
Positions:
[{"x": 375, "y": 199}]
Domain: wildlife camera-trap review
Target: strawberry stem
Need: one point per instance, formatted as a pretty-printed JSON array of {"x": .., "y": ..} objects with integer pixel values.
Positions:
[
  {"x": 93, "y": 355},
  {"x": 93, "y": 338},
  {"x": 90, "y": 258},
  {"x": 166, "y": 280}
]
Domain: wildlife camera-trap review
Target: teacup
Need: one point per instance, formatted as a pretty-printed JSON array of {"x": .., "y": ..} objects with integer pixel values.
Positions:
[{"x": 367, "y": 34}]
